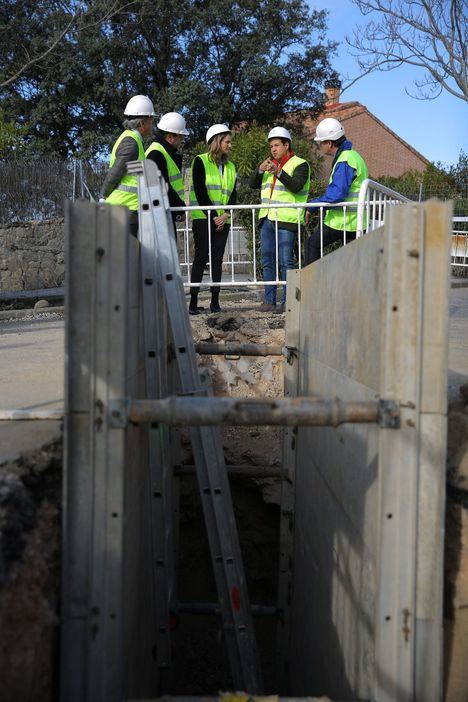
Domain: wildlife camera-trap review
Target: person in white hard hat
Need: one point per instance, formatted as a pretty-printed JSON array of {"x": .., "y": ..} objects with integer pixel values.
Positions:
[
  {"x": 165, "y": 152},
  {"x": 348, "y": 172},
  {"x": 284, "y": 178},
  {"x": 212, "y": 182},
  {"x": 120, "y": 188}
]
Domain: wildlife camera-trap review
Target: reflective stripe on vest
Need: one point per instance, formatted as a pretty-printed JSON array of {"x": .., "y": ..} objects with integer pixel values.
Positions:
[
  {"x": 219, "y": 191},
  {"x": 282, "y": 195},
  {"x": 335, "y": 217},
  {"x": 126, "y": 193},
  {"x": 176, "y": 178},
  {"x": 127, "y": 188}
]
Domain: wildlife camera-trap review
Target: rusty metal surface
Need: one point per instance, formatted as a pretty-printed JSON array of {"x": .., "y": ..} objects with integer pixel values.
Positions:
[
  {"x": 231, "y": 349},
  {"x": 201, "y": 411}
]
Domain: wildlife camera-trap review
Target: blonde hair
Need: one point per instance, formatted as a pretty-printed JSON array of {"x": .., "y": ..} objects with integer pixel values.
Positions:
[{"x": 214, "y": 149}]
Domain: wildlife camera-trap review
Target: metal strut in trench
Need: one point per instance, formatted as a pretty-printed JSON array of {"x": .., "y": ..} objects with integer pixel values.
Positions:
[{"x": 161, "y": 272}]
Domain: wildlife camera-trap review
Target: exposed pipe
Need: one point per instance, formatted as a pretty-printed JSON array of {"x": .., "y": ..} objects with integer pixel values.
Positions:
[{"x": 232, "y": 349}]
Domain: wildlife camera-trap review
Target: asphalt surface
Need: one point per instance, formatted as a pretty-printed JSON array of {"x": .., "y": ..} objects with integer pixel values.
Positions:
[
  {"x": 31, "y": 377},
  {"x": 32, "y": 360},
  {"x": 458, "y": 341}
]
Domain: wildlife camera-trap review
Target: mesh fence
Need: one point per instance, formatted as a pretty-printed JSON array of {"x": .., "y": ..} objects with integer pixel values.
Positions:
[
  {"x": 459, "y": 197},
  {"x": 38, "y": 190}
]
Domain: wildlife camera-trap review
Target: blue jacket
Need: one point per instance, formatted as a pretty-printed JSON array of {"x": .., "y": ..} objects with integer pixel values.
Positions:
[{"x": 338, "y": 189}]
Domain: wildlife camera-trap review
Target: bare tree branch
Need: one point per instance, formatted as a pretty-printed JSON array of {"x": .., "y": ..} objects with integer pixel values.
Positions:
[
  {"x": 35, "y": 59},
  {"x": 55, "y": 41},
  {"x": 429, "y": 34}
]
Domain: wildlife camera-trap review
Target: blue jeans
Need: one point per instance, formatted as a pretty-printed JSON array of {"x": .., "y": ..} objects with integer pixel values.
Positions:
[{"x": 286, "y": 239}]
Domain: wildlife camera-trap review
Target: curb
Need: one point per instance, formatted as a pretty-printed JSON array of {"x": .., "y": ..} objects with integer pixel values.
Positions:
[{"x": 30, "y": 313}]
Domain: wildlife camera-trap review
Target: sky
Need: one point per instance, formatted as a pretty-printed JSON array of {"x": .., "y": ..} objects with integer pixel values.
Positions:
[{"x": 438, "y": 128}]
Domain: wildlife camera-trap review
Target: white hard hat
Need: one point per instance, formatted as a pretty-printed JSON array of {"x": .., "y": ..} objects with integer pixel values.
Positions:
[
  {"x": 329, "y": 129},
  {"x": 216, "y": 129},
  {"x": 139, "y": 106},
  {"x": 279, "y": 133},
  {"x": 172, "y": 122}
]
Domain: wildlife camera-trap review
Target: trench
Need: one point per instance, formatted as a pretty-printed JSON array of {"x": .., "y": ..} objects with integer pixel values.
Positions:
[
  {"x": 30, "y": 524},
  {"x": 30, "y": 536}
]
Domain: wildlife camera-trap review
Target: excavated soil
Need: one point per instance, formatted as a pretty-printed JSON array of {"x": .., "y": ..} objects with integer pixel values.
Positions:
[{"x": 30, "y": 498}]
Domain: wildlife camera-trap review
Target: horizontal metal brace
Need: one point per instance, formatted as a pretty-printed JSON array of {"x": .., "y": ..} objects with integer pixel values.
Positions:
[
  {"x": 209, "y": 411},
  {"x": 212, "y": 608},
  {"x": 243, "y": 470},
  {"x": 233, "y": 349}
]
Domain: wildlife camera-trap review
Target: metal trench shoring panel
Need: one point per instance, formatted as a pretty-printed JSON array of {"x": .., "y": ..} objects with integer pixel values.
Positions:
[{"x": 158, "y": 231}]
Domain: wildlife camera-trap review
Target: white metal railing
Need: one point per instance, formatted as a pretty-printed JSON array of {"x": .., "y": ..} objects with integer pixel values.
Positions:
[
  {"x": 459, "y": 251},
  {"x": 373, "y": 201},
  {"x": 240, "y": 262}
]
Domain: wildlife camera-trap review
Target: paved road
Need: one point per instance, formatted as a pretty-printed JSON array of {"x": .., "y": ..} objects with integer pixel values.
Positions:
[
  {"x": 31, "y": 373},
  {"x": 458, "y": 340},
  {"x": 31, "y": 377}
]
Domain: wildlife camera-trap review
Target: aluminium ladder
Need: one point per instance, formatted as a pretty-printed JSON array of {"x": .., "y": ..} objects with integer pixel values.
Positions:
[{"x": 161, "y": 276}]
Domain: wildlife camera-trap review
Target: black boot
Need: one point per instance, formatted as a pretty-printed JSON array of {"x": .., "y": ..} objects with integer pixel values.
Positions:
[
  {"x": 193, "y": 306},
  {"x": 214, "y": 305}
]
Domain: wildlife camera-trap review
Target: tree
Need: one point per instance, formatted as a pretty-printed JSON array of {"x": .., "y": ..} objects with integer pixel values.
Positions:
[
  {"x": 11, "y": 138},
  {"x": 213, "y": 60},
  {"x": 29, "y": 34},
  {"x": 437, "y": 181},
  {"x": 429, "y": 34}
]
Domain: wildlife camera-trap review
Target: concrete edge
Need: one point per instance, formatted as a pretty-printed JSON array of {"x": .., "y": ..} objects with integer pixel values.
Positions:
[{"x": 30, "y": 313}]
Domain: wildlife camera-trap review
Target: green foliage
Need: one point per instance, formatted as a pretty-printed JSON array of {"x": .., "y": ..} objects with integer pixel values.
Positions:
[
  {"x": 11, "y": 138},
  {"x": 214, "y": 60},
  {"x": 459, "y": 173},
  {"x": 437, "y": 181}
]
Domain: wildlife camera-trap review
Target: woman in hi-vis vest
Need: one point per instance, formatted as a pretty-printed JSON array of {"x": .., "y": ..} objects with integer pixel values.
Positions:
[{"x": 212, "y": 182}]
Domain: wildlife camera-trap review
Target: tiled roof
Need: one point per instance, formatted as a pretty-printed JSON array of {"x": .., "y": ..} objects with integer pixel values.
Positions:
[{"x": 347, "y": 110}]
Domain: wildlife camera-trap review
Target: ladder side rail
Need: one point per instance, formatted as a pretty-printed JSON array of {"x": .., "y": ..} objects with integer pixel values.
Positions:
[
  {"x": 161, "y": 493},
  {"x": 208, "y": 452}
]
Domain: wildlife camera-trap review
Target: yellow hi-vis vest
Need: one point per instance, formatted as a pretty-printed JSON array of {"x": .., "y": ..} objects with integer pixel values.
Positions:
[
  {"x": 176, "y": 179},
  {"x": 281, "y": 195},
  {"x": 219, "y": 189},
  {"x": 335, "y": 217},
  {"x": 126, "y": 193}
]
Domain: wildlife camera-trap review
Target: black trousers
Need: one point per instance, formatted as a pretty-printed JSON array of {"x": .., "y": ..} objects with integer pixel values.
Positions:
[
  {"x": 312, "y": 248},
  {"x": 133, "y": 222},
  {"x": 218, "y": 244}
]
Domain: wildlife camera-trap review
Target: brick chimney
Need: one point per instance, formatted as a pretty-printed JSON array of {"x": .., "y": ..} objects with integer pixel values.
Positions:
[{"x": 332, "y": 93}]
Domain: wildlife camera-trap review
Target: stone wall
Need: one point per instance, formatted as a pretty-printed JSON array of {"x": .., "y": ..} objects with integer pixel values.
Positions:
[{"x": 32, "y": 255}]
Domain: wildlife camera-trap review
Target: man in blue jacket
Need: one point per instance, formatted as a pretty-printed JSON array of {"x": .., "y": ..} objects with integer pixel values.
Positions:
[{"x": 348, "y": 172}]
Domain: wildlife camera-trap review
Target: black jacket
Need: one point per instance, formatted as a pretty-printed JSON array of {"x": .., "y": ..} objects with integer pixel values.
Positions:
[{"x": 160, "y": 161}]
